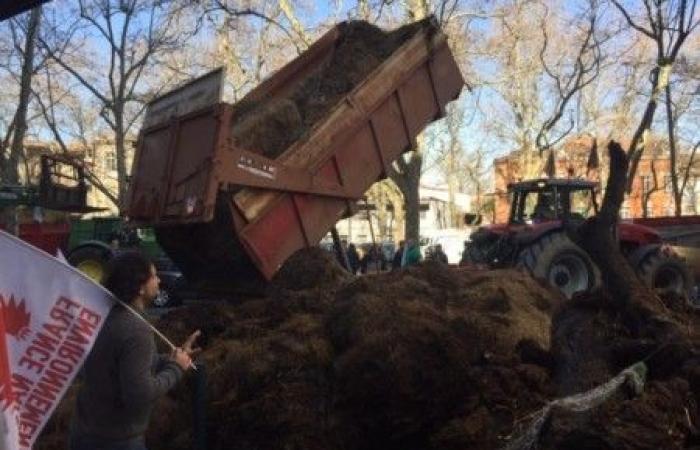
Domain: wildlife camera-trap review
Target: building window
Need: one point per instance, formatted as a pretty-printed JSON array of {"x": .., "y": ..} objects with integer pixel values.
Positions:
[
  {"x": 110, "y": 161},
  {"x": 624, "y": 212},
  {"x": 646, "y": 183}
]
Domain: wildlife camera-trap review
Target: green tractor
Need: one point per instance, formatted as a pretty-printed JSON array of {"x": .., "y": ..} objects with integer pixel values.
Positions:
[{"x": 93, "y": 242}]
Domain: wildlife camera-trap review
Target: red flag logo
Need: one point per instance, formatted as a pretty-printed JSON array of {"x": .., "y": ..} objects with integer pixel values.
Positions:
[{"x": 16, "y": 317}]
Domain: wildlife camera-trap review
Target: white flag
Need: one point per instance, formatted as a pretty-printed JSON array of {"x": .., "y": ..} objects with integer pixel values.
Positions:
[
  {"x": 50, "y": 315},
  {"x": 60, "y": 256}
]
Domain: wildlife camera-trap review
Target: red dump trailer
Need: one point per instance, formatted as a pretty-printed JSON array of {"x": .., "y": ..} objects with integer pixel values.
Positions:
[{"x": 226, "y": 212}]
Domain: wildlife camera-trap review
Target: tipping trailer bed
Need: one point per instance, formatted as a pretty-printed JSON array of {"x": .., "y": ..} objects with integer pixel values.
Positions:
[
  {"x": 227, "y": 215},
  {"x": 683, "y": 231}
]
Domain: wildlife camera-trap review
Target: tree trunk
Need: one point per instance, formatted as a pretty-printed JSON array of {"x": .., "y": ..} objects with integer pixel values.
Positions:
[
  {"x": 120, "y": 154},
  {"x": 598, "y": 237},
  {"x": 670, "y": 121},
  {"x": 635, "y": 149},
  {"x": 412, "y": 203},
  {"x": 596, "y": 335},
  {"x": 407, "y": 178},
  {"x": 12, "y": 168}
]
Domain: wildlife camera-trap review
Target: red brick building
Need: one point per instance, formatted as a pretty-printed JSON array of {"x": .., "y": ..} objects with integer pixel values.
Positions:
[{"x": 651, "y": 185}]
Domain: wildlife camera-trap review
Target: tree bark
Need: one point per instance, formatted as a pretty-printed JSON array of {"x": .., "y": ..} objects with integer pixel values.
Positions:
[
  {"x": 598, "y": 237},
  {"x": 670, "y": 122},
  {"x": 412, "y": 202},
  {"x": 20, "y": 122},
  {"x": 596, "y": 335},
  {"x": 120, "y": 144},
  {"x": 407, "y": 178}
]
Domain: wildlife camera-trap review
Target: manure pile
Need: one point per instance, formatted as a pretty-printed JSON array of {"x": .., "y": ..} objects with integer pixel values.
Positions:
[{"x": 429, "y": 357}]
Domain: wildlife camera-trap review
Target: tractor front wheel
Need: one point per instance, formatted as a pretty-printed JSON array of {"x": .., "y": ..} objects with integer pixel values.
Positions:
[
  {"x": 92, "y": 261},
  {"x": 563, "y": 264}
]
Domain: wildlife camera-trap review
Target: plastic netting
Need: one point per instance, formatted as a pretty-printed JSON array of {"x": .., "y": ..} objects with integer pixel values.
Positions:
[{"x": 635, "y": 376}]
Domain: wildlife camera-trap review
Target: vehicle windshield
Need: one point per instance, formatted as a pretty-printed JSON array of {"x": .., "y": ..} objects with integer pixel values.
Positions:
[
  {"x": 538, "y": 207},
  {"x": 582, "y": 204}
]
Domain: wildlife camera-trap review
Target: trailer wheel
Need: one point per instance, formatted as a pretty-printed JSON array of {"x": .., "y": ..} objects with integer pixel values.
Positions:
[
  {"x": 556, "y": 259},
  {"x": 92, "y": 261},
  {"x": 665, "y": 272}
]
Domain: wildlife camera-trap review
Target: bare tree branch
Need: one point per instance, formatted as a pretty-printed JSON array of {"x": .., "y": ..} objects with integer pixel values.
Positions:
[{"x": 631, "y": 22}]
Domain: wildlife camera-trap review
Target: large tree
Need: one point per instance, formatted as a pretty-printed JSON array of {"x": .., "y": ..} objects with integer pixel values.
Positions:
[
  {"x": 537, "y": 59},
  {"x": 21, "y": 56},
  {"x": 108, "y": 47},
  {"x": 667, "y": 24}
]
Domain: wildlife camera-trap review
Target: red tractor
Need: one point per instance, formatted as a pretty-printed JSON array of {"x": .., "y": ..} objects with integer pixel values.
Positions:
[{"x": 535, "y": 239}]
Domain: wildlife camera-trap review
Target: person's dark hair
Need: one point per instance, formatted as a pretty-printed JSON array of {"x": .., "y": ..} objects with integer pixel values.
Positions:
[{"x": 125, "y": 275}]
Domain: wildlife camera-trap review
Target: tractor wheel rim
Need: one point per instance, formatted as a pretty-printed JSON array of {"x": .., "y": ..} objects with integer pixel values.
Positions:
[
  {"x": 569, "y": 273},
  {"x": 92, "y": 269},
  {"x": 669, "y": 279}
]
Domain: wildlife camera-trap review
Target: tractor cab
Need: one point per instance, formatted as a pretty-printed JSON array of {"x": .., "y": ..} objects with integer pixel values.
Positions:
[{"x": 553, "y": 199}]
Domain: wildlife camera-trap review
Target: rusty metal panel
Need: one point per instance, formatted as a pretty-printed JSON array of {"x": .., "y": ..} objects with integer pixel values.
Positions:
[
  {"x": 276, "y": 233},
  {"x": 419, "y": 104},
  {"x": 190, "y": 167},
  {"x": 149, "y": 175},
  {"x": 375, "y": 124},
  {"x": 445, "y": 74},
  {"x": 358, "y": 160},
  {"x": 388, "y": 123},
  {"x": 280, "y": 232},
  {"x": 200, "y": 93}
]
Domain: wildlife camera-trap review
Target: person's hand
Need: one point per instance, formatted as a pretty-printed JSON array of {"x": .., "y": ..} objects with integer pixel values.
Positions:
[
  {"x": 188, "y": 345},
  {"x": 181, "y": 358}
]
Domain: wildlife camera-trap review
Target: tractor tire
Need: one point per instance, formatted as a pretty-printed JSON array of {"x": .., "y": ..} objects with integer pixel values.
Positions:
[
  {"x": 561, "y": 263},
  {"x": 664, "y": 273},
  {"x": 91, "y": 260}
]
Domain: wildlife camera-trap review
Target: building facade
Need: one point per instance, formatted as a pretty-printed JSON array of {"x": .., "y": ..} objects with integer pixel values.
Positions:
[
  {"x": 651, "y": 192},
  {"x": 99, "y": 158},
  {"x": 435, "y": 217}
]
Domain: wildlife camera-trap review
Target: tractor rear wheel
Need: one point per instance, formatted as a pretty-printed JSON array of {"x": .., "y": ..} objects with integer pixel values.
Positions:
[
  {"x": 557, "y": 260},
  {"x": 664, "y": 272},
  {"x": 91, "y": 260}
]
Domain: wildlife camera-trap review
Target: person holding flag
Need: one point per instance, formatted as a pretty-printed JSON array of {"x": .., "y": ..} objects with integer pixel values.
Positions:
[{"x": 123, "y": 375}]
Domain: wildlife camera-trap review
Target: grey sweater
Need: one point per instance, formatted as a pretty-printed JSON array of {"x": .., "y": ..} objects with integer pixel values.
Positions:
[{"x": 122, "y": 378}]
